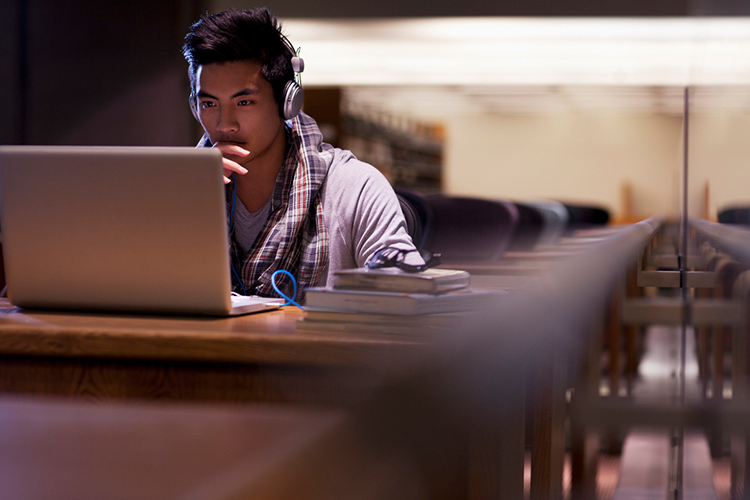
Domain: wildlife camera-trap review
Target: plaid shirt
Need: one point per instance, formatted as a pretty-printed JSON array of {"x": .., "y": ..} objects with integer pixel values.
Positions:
[{"x": 294, "y": 238}]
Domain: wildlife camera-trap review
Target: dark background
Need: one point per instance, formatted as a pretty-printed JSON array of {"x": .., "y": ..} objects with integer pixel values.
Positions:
[{"x": 111, "y": 73}]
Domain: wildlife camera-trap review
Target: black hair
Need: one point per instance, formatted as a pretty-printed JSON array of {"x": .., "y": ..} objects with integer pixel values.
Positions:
[{"x": 236, "y": 35}]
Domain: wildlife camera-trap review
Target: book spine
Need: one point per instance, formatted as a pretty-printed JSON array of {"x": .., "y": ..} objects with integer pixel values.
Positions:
[
  {"x": 392, "y": 304},
  {"x": 402, "y": 286}
]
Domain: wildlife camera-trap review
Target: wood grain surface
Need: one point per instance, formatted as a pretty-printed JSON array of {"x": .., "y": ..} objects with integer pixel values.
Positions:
[
  {"x": 264, "y": 337},
  {"x": 258, "y": 357}
]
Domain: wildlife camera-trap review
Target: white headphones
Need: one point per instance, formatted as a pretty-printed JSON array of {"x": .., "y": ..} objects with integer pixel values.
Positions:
[{"x": 291, "y": 102}]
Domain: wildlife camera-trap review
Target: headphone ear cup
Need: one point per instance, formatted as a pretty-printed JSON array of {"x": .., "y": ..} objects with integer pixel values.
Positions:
[
  {"x": 293, "y": 97},
  {"x": 298, "y": 64}
]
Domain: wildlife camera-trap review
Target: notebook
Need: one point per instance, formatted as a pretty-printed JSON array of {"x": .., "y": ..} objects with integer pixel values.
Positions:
[{"x": 128, "y": 229}]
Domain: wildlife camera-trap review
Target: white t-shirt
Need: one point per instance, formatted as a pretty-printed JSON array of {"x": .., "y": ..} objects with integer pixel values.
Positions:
[{"x": 246, "y": 225}]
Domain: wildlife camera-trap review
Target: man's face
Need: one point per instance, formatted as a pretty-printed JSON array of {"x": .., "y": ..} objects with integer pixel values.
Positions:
[{"x": 236, "y": 106}]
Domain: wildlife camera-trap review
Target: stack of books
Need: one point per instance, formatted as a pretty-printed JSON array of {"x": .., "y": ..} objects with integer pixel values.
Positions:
[{"x": 389, "y": 300}]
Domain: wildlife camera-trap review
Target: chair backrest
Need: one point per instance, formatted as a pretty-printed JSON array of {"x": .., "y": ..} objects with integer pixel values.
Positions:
[
  {"x": 555, "y": 220},
  {"x": 735, "y": 215},
  {"x": 471, "y": 229},
  {"x": 583, "y": 216},
  {"x": 418, "y": 205},
  {"x": 528, "y": 229},
  {"x": 413, "y": 222}
]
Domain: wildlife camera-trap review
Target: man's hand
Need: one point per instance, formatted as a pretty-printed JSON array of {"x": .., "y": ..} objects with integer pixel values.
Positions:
[{"x": 231, "y": 166}]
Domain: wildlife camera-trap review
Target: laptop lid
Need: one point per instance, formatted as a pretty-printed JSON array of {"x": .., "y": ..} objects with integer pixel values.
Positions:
[{"x": 137, "y": 229}]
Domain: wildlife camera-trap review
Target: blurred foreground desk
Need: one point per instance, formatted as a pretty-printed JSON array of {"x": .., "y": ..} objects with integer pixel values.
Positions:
[
  {"x": 77, "y": 451},
  {"x": 259, "y": 358},
  {"x": 248, "y": 359}
]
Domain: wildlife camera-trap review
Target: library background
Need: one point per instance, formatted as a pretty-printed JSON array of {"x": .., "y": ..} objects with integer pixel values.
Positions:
[{"x": 584, "y": 162}]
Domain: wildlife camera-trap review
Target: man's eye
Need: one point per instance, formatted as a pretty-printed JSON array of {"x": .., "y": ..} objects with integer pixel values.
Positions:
[
  {"x": 245, "y": 102},
  {"x": 206, "y": 104}
]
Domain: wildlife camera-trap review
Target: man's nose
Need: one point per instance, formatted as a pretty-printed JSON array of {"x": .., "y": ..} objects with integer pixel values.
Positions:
[{"x": 228, "y": 120}]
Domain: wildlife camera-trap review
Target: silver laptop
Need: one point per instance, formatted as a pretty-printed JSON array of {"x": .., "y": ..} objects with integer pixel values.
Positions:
[{"x": 134, "y": 229}]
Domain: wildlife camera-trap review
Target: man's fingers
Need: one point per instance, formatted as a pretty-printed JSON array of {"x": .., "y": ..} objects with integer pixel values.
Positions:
[
  {"x": 231, "y": 149},
  {"x": 232, "y": 167}
]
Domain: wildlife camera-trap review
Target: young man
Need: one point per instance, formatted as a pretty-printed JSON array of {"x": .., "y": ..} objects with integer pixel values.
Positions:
[{"x": 294, "y": 202}]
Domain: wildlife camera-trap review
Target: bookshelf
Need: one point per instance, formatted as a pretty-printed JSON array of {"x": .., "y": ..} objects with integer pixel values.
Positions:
[{"x": 408, "y": 152}]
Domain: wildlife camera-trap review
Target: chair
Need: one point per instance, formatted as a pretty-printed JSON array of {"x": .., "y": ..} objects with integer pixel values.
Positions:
[
  {"x": 471, "y": 229},
  {"x": 413, "y": 222},
  {"x": 418, "y": 205},
  {"x": 583, "y": 216},
  {"x": 528, "y": 229},
  {"x": 735, "y": 215},
  {"x": 555, "y": 220}
]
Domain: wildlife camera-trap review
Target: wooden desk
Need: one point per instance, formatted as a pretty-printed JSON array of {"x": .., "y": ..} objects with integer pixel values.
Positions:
[{"x": 249, "y": 358}]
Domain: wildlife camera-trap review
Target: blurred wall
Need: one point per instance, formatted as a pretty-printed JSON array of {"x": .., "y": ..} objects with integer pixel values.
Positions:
[
  {"x": 428, "y": 8},
  {"x": 11, "y": 81},
  {"x": 720, "y": 159},
  {"x": 88, "y": 72},
  {"x": 91, "y": 72},
  {"x": 569, "y": 157}
]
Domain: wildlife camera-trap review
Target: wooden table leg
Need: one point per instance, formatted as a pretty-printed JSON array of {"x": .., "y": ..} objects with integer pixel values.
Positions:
[
  {"x": 497, "y": 453},
  {"x": 548, "y": 385},
  {"x": 740, "y": 356},
  {"x": 585, "y": 441}
]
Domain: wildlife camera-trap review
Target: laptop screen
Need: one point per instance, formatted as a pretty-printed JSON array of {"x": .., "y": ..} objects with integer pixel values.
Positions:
[{"x": 115, "y": 228}]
